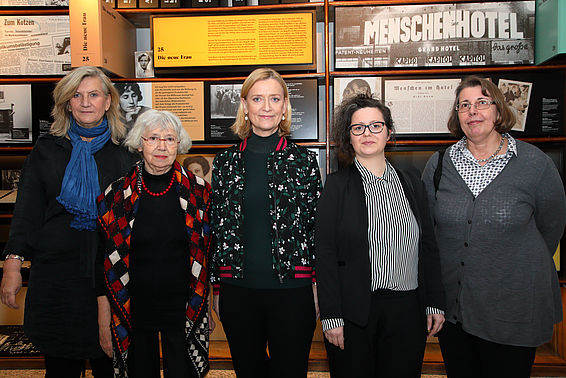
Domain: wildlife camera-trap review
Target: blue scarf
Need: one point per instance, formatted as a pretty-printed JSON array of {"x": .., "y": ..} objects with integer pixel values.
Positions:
[{"x": 80, "y": 185}]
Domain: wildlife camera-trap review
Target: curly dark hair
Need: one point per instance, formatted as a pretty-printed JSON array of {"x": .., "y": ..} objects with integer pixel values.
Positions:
[{"x": 343, "y": 119}]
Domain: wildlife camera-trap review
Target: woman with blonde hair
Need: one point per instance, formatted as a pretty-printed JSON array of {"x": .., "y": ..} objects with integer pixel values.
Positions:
[
  {"x": 54, "y": 223},
  {"x": 264, "y": 198}
]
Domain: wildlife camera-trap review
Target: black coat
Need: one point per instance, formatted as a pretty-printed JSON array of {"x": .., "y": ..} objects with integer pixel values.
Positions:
[
  {"x": 61, "y": 310},
  {"x": 342, "y": 248}
]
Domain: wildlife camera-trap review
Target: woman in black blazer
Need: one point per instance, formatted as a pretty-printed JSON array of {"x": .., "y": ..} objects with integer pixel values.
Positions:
[{"x": 377, "y": 261}]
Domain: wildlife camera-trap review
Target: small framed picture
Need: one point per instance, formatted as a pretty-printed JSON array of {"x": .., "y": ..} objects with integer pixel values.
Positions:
[{"x": 144, "y": 64}]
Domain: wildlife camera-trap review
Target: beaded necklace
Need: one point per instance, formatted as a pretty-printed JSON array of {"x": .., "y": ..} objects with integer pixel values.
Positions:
[{"x": 160, "y": 193}]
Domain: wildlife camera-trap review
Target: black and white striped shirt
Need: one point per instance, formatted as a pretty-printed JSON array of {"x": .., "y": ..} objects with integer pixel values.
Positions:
[
  {"x": 393, "y": 236},
  {"x": 393, "y": 231}
]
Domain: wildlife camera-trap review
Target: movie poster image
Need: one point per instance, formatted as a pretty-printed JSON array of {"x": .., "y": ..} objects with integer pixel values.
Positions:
[
  {"x": 517, "y": 95},
  {"x": 346, "y": 87},
  {"x": 462, "y": 34}
]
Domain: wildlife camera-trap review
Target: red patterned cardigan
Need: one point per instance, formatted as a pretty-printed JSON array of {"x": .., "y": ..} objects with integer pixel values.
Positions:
[{"x": 117, "y": 208}]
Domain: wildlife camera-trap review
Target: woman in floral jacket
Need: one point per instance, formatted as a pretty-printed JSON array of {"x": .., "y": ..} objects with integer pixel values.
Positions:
[{"x": 265, "y": 191}]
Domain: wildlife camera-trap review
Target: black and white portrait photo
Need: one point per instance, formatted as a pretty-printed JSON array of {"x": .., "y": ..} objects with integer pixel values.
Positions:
[
  {"x": 144, "y": 64},
  {"x": 133, "y": 96}
]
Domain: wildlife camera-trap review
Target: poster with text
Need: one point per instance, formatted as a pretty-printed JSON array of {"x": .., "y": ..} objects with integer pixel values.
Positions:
[
  {"x": 235, "y": 41},
  {"x": 186, "y": 100},
  {"x": 461, "y": 34}
]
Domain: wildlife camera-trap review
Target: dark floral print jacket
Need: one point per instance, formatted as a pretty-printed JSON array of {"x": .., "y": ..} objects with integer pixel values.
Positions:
[{"x": 294, "y": 187}]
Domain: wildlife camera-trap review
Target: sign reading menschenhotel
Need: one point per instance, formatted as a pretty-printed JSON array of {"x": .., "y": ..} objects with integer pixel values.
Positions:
[
  {"x": 463, "y": 34},
  {"x": 233, "y": 40}
]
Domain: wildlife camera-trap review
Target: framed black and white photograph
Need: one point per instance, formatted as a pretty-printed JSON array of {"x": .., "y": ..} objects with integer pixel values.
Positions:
[
  {"x": 135, "y": 98},
  {"x": 15, "y": 113},
  {"x": 143, "y": 61},
  {"x": 224, "y": 100},
  {"x": 517, "y": 95},
  {"x": 198, "y": 164},
  {"x": 345, "y": 87}
]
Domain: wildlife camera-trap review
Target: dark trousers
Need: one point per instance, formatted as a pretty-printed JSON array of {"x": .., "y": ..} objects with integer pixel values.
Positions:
[
  {"x": 143, "y": 356},
  {"x": 392, "y": 344},
  {"x": 466, "y": 356},
  {"x": 66, "y": 368},
  {"x": 282, "y": 320}
]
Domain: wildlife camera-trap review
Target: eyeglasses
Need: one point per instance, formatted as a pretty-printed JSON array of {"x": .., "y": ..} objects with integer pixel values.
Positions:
[
  {"x": 374, "y": 127},
  {"x": 154, "y": 140},
  {"x": 480, "y": 105}
]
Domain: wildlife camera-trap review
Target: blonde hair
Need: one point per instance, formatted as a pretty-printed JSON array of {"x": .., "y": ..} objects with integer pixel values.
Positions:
[
  {"x": 242, "y": 127},
  {"x": 66, "y": 89}
]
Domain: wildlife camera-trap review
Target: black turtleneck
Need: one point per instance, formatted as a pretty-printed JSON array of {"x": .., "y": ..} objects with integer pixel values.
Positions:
[
  {"x": 257, "y": 225},
  {"x": 159, "y": 259}
]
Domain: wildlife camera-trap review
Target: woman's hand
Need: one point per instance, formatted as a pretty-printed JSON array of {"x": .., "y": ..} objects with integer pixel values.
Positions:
[
  {"x": 336, "y": 336},
  {"x": 11, "y": 282},
  {"x": 434, "y": 323},
  {"x": 216, "y": 304},
  {"x": 316, "y": 309},
  {"x": 104, "y": 333},
  {"x": 211, "y": 321}
]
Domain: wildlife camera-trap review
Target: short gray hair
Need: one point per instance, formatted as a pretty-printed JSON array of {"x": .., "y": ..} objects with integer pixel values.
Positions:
[{"x": 152, "y": 118}]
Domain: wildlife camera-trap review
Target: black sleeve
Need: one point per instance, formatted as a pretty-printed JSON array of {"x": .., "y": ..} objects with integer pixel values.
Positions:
[
  {"x": 29, "y": 209},
  {"x": 435, "y": 296},
  {"x": 329, "y": 299}
]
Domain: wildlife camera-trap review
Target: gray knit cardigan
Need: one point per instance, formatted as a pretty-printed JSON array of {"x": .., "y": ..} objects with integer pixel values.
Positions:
[{"x": 496, "y": 250}]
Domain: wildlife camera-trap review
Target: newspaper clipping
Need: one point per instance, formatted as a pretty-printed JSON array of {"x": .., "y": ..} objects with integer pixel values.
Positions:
[
  {"x": 517, "y": 95},
  {"x": 35, "y": 45},
  {"x": 462, "y": 34},
  {"x": 420, "y": 106}
]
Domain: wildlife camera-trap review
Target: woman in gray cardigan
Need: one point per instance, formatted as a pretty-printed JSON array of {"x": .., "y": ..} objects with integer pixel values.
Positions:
[{"x": 500, "y": 211}]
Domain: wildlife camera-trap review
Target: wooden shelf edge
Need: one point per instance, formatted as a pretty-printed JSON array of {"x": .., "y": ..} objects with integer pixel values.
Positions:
[
  {"x": 21, "y": 11},
  {"x": 456, "y": 70},
  {"x": 404, "y": 2},
  {"x": 313, "y": 75},
  {"x": 182, "y": 11}
]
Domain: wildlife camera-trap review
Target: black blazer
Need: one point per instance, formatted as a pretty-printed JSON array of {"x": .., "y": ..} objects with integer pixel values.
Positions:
[{"x": 342, "y": 248}]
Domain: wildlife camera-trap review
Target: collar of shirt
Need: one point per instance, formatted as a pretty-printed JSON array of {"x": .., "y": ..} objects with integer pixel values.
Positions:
[
  {"x": 461, "y": 148},
  {"x": 368, "y": 177}
]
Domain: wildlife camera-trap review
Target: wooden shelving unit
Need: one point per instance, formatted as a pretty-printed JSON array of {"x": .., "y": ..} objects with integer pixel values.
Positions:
[{"x": 550, "y": 359}]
